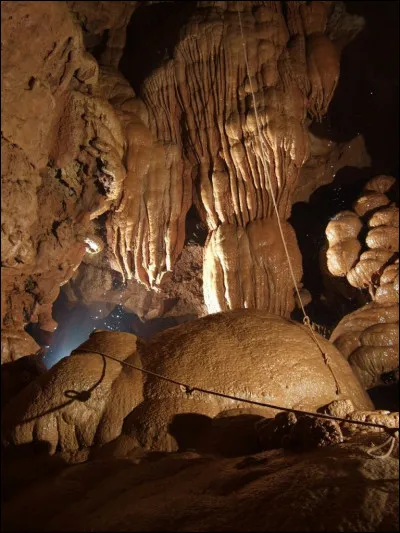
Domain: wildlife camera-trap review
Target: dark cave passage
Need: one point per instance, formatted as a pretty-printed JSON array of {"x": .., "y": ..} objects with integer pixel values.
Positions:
[
  {"x": 145, "y": 49},
  {"x": 366, "y": 102},
  {"x": 77, "y": 321}
]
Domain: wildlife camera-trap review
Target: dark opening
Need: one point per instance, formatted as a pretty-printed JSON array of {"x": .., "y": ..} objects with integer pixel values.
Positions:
[{"x": 151, "y": 37}]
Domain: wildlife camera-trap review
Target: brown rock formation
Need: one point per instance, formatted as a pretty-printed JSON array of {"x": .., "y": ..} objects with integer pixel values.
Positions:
[
  {"x": 83, "y": 400},
  {"x": 377, "y": 267},
  {"x": 368, "y": 338},
  {"x": 146, "y": 227},
  {"x": 201, "y": 112},
  {"x": 95, "y": 285},
  {"x": 78, "y": 143},
  {"x": 185, "y": 286},
  {"x": 101, "y": 149},
  {"x": 16, "y": 375},
  {"x": 80, "y": 402},
  {"x": 273, "y": 432},
  {"x": 310, "y": 432},
  {"x": 99, "y": 288},
  {"x": 388, "y": 419},
  {"x": 326, "y": 159},
  {"x": 298, "y": 432},
  {"x": 104, "y": 24},
  {"x": 62, "y": 147}
]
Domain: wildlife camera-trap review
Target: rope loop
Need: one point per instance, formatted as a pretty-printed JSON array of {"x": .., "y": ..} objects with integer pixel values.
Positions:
[
  {"x": 392, "y": 440},
  {"x": 187, "y": 389},
  {"x": 306, "y": 321},
  {"x": 82, "y": 396}
]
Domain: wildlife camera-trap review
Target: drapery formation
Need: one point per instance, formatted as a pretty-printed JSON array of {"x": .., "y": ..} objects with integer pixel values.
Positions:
[{"x": 199, "y": 127}]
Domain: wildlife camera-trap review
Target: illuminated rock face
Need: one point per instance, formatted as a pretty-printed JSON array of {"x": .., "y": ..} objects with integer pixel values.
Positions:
[
  {"x": 62, "y": 150},
  {"x": 245, "y": 267},
  {"x": 247, "y": 353},
  {"x": 369, "y": 337},
  {"x": 376, "y": 268},
  {"x": 202, "y": 117},
  {"x": 146, "y": 227}
]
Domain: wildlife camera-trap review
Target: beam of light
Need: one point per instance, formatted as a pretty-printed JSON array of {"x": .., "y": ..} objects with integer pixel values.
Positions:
[
  {"x": 70, "y": 336},
  {"x": 75, "y": 324}
]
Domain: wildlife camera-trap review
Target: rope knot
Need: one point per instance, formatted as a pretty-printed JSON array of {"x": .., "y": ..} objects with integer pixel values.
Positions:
[
  {"x": 327, "y": 359},
  {"x": 306, "y": 321}
]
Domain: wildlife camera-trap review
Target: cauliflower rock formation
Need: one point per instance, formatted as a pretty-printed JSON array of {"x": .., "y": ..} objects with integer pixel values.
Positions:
[
  {"x": 363, "y": 246},
  {"x": 369, "y": 339}
]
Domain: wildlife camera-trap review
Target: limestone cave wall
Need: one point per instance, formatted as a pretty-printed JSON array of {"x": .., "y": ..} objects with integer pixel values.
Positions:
[{"x": 118, "y": 140}]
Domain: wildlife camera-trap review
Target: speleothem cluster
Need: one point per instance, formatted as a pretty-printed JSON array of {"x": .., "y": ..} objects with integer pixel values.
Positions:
[
  {"x": 79, "y": 142},
  {"x": 364, "y": 246},
  {"x": 97, "y": 174},
  {"x": 86, "y": 400},
  {"x": 199, "y": 108}
]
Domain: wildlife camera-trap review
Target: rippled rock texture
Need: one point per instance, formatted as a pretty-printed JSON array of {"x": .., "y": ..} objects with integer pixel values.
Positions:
[
  {"x": 78, "y": 143},
  {"x": 364, "y": 247},
  {"x": 201, "y": 110}
]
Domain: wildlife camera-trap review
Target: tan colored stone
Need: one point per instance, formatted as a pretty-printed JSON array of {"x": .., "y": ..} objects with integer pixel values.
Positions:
[
  {"x": 368, "y": 338},
  {"x": 80, "y": 402},
  {"x": 249, "y": 354},
  {"x": 257, "y": 356}
]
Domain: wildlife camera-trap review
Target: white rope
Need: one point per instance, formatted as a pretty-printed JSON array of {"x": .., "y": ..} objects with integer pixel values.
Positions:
[
  {"x": 391, "y": 439},
  {"x": 306, "y": 319}
]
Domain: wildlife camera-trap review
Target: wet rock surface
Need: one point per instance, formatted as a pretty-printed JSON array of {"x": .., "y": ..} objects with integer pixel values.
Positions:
[{"x": 88, "y": 400}]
